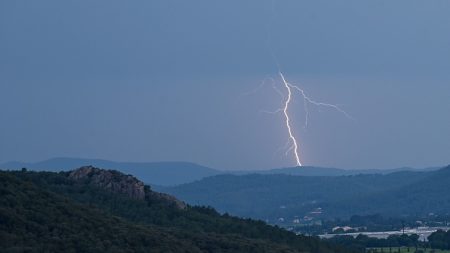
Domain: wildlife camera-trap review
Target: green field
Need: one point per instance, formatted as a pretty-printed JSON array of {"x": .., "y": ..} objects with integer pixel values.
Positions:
[{"x": 404, "y": 250}]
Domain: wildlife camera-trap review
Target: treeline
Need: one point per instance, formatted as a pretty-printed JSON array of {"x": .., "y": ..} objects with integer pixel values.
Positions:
[{"x": 440, "y": 240}]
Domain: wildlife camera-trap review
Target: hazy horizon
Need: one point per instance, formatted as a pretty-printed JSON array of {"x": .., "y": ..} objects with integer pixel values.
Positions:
[
  {"x": 178, "y": 81},
  {"x": 218, "y": 169}
]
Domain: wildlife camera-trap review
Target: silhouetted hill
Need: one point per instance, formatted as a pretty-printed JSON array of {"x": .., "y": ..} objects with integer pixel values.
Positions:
[
  {"x": 156, "y": 173},
  {"x": 274, "y": 196},
  {"x": 94, "y": 210}
]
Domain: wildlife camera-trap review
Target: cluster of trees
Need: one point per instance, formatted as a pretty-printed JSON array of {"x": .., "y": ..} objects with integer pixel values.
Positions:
[
  {"x": 48, "y": 212},
  {"x": 439, "y": 240}
]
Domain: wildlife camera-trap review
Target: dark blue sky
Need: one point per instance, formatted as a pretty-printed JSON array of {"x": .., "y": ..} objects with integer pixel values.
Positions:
[{"x": 169, "y": 80}]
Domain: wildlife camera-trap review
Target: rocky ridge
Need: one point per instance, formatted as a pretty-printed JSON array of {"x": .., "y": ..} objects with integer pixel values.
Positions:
[
  {"x": 111, "y": 180},
  {"x": 119, "y": 183}
]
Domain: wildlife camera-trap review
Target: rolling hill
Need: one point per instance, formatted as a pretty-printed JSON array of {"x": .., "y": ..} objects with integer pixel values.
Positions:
[{"x": 270, "y": 197}]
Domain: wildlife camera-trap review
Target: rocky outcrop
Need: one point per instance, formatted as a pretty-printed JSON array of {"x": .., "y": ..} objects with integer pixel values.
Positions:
[
  {"x": 111, "y": 180},
  {"x": 117, "y": 182}
]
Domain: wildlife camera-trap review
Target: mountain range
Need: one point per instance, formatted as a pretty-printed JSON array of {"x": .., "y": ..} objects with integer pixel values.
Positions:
[{"x": 176, "y": 173}]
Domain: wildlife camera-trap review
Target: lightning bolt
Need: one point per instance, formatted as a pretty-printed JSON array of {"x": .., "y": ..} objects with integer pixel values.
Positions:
[
  {"x": 306, "y": 101},
  {"x": 288, "y": 121},
  {"x": 292, "y": 144}
]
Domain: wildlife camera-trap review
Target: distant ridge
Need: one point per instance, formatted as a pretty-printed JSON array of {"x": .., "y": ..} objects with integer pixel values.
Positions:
[
  {"x": 176, "y": 173},
  {"x": 154, "y": 173},
  {"x": 402, "y": 193},
  {"x": 311, "y": 171},
  {"x": 322, "y": 171}
]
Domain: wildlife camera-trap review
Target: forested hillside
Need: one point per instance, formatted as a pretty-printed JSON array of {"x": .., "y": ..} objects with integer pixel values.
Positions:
[{"x": 93, "y": 210}]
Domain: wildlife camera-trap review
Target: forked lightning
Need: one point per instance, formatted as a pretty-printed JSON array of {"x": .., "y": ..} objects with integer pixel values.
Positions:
[{"x": 306, "y": 100}]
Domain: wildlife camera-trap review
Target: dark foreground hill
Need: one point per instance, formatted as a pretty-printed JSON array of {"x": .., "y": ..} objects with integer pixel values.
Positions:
[
  {"x": 282, "y": 196},
  {"x": 92, "y": 210}
]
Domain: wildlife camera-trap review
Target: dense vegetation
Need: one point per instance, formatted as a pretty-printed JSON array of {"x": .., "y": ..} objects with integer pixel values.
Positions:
[
  {"x": 53, "y": 213},
  {"x": 440, "y": 240},
  {"x": 392, "y": 195}
]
